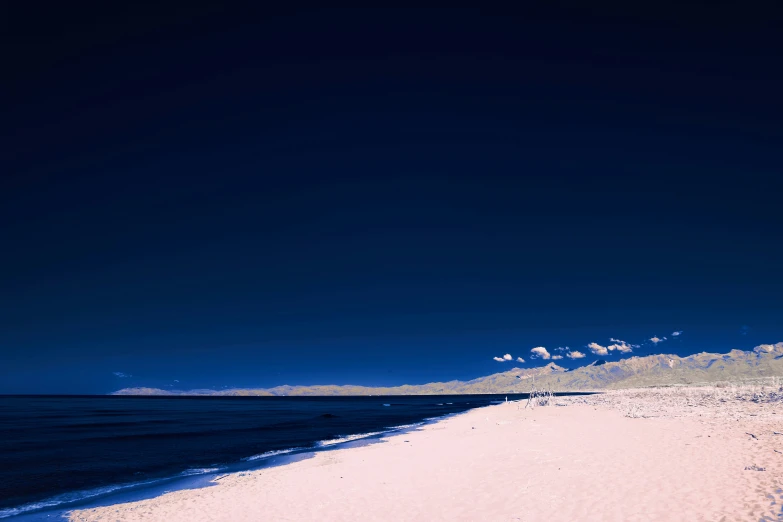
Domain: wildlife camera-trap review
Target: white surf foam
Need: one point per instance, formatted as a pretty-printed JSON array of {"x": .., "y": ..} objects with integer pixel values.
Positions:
[
  {"x": 272, "y": 453},
  {"x": 347, "y": 438},
  {"x": 73, "y": 496},
  {"x": 407, "y": 426},
  {"x": 76, "y": 496},
  {"x": 331, "y": 442},
  {"x": 198, "y": 471}
]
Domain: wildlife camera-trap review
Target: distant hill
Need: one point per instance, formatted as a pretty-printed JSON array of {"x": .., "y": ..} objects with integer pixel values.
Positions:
[{"x": 655, "y": 370}]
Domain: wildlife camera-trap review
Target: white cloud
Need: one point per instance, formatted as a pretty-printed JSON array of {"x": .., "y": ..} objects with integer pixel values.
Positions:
[
  {"x": 121, "y": 375},
  {"x": 507, "y": 357},
  {"x": 520, "y": 359},
  {"x": 598, "y": 349},
  {"x": 540, "y": 351},
  {"x": 620, "y": 346},
  {"x": 766, "y": 348},
  {"x": 677, "y": 333},
  {"x": 575, "y": 355},
  {"x": 656, "y": 339},
  {"x": 562, "y": 348},
  {"x": 499, "y": 359},
  {"x": 556, "y": 357}
]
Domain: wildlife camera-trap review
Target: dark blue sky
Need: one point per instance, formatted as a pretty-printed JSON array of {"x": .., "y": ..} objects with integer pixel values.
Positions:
[{"x": 235, "y": 197}]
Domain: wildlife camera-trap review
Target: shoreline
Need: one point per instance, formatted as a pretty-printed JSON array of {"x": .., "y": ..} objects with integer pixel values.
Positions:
[
  {"x": 59, "y": 506},
  {"x": 651, "y": 454}
]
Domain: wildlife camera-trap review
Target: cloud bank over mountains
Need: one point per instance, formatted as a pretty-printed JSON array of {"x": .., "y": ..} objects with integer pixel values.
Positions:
[
  {"x": 539, "y": 351},
  {"x": 617, "y": 344},
  {"x": 597, "y": 349},
  {"x": 505, "y": 358},
  {"x": 614, "y": 345}
]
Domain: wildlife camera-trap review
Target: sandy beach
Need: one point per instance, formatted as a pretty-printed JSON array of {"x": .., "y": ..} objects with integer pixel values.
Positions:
[{"x": 674, "y": 454}]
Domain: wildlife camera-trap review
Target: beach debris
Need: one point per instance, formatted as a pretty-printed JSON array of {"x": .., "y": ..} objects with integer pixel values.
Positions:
[
  {"x": 776, "y": 451},
  {"x": 777, "y": 433},
  {"x": 754, "y": 468},
  {"x": 538, "y": 398},
  {"x": 746, "y": 433},
  {"x": 634, "y": 411}
]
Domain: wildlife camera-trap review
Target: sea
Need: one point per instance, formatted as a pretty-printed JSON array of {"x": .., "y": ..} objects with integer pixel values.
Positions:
[{"x": 58, "y": 453}]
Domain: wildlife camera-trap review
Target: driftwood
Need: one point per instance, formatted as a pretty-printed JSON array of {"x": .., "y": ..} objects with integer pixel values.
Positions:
[{"x": 538, "y": 398}]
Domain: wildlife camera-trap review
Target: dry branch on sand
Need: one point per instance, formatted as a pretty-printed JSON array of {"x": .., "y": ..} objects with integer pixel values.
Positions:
[
  {"x": 634, "y": 411},
  {"x": 539, "y": 397}
]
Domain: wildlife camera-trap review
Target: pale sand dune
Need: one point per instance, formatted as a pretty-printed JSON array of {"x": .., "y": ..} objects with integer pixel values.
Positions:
[{"x": 587, "y": 461}]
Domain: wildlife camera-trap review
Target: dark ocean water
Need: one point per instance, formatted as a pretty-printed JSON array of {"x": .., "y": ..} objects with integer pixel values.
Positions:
[{"x": 59, "y": 452}]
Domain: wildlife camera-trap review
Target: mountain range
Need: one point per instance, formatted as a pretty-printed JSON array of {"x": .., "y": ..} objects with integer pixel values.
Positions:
[{"x": 765, "y": 360}]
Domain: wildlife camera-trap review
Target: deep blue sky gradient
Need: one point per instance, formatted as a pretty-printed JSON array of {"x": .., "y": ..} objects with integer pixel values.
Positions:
[{"x": 231, "y": 197}]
